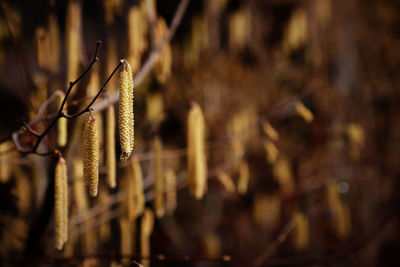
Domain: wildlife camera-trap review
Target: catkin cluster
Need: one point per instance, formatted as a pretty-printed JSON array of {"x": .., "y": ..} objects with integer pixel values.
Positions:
[
  {"x": 197, "y": 162},
  {"x": 126, "y": 117},
  {"x": 61, "y": 204},
  {"x": 91, "y": 156}
]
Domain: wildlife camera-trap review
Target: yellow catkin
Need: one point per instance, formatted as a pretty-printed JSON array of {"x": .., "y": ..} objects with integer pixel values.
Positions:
[
  {"x": 270, "y": 131},
  {"x": 343, "y": 220},
  {"x": 55, "y": 46},
  {"x": 73, "y": 38},
  {"x": 271, "y": 151},
  {"x": 137, "y": 30},
  {"x": 197, "y": 162},
  {"x": 62, "y": 128},
  {"x": 61, "y": 204},
  {"x": 127, "y": 230},
  {"x": 212, "y": 245},
  {"x": 162, "y": 68},
  {"x": 267, "y": 210},
  {"x": 111, "y": 59},
  {"x": 296, "y": 33},
  {"x": 304, "y": 112},
  {"x": 356, "y": 136},
  {"x": 111, "y": 8},
  {"x": 110, "y": 148},
  {"x": 23, "y": 190},
  {"x": 126, "y": 117},
  {"x": 239, "y": 29},
  {"x": 283, "y": 175},
  {"x": 301, "y": 231},
  {"x": 226, "y": 182},
  {"x": 139, "y": 192},
  {"x": 91, "y": 156},
  {"x": 154, "y": 108},
  {"x": 170, "y": 180},
  {"x": 81, "y": 204},
  {"x": 42, "y": 48},
  {"x": 4, "y": 165},
  {"x": 244, "y": 177},
  {"x": 146, "y": 229},
  {"x": 340, "y": 211},
  {"x": 159, "y": 184}
]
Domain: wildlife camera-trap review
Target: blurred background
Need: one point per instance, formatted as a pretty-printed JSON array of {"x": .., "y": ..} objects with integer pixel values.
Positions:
[{"x": 302, "y": 138}]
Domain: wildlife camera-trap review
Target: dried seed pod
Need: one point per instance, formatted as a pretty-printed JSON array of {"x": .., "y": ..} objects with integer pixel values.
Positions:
[
  {"x": 146, "y": 229},
  {"x": 197, "y": 163},
  {"x": 304, "y": 112},
  {"x": 244, "y": 176},
  {"x": 159, "y": 184},
  {"x": 110, "y": 148},
  {"x": 170, "y": 180},
  {"x": 126, "y": 117},
  {"x": 91, "y": 156},
  {"x": 62, "y": 127},
  {"x": 61, "y": 204}
]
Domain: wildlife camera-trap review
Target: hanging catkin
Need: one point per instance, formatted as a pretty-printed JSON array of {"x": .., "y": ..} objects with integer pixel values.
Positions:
[
  {"x": 244, "y": 176},
  {"x": 159, "y": 180},
  {"x": 139, "y": 193},
  {"x": 170, "y": 180},
  {"x": 146, "y": 229},
  {"x": 126, "y": 117},
  {"x": 73, "y": 39},
  {"x": 110, "y": 147},
  {"x": 91, "y": 156},
  {"x": 197, "y": 163},
  {"x": 61, "y": 204}
]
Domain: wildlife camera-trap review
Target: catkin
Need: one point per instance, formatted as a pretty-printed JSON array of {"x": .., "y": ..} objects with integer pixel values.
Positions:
[
  {"x": 81, "y": 203},
  {"x": 304, "y": 112},
  {"x": 170, "y": 180},
  {"x": 271, "y": 151},
  {"x": 270, "y": 131},
  {"x": 126, "y": 117},
  {"x": 159, "y": 180},
  {"x": 146, "y": 229},
  {"x": 197, "y": 162},
  {"x": 73, "y": 31},
  {"x": 244, "y": 176},
  {"x": 139, "y": 193},
  {"x": 226, "y": 182},
  {"x": 110, "y": 148},
  {"x": 137, "y": 29},
  {"x": 91, "y": 156},
  {"x": 61, "y": 204},
  {"x": 62, "y": 128},
  {"x": 4, "y": 165},
  {"x": 162, "y": 68},
  {"x": 301, "y": 232}
]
